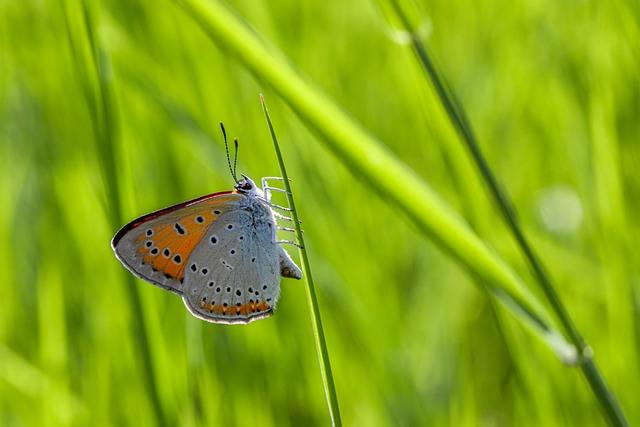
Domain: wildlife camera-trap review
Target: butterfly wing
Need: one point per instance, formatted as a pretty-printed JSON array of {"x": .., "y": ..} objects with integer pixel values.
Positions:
[
  {"x": 233, "y": 275},
  {"x": 157, "y": 246}
]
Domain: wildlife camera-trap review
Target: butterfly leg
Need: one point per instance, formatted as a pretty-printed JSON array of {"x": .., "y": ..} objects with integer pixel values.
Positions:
[
  {"x": 290, "y": 230},
  {"x": 267, "y": 192},
  {"x": 278, "y": 215},
  {"x": 267, "y": 189},
  {"x": 274, "y": 178},
  {"x": 283, "y": 217},
  {"x": 286, "y": 229},
  {"x": 289, "y": 242},
  {"x": 280, "y": 190},
  {"x": 286, "y": 218},
  {"x": 282, "y": 208}
]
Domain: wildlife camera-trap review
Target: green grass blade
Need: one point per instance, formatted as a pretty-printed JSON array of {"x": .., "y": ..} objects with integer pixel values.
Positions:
[
  {"x": 458, "y": 117},
  {"x": 92, "y": 64},
  {"x": 318, "y": 331},
  {"x": 369, "y": 160}
]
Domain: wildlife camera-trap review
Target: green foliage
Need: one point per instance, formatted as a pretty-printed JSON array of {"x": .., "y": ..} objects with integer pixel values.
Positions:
[{"x": 104, "y": 123}]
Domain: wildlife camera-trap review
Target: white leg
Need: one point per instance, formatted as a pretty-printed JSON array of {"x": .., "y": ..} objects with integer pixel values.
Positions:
[
  {"x": 275, "y": 178},
  {"x": 279, "y": 190},
  {"x": 282, "y": 208},
  {"x": 289, "y": 242},
  {"x": 267, "y": 189},
  {"x": 278, "y": 215}
]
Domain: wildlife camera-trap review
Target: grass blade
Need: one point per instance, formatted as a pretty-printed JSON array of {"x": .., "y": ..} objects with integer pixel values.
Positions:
[
  {"x": 318, "y": 331},
  {"x": 369, "y": 160},
  {"x": 461, "y": 124},
  {"x": 91, "y": 61}
]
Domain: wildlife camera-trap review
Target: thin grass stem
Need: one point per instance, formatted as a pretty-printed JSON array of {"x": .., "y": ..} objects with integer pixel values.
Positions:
[
  {"x": 458, "y": 117},
  {"x": 91, "y": 61},
  {"x": 318, "y": 331}
]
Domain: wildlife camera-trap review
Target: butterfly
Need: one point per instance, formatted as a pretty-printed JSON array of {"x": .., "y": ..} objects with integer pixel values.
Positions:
[{"x": 219, "y": 252}]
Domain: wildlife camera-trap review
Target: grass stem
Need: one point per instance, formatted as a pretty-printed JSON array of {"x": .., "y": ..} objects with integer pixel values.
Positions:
[
  {"x": 318, "y": 331},
  {"x": 461, "y": 124},
  {"x": 91, "y": 61}
]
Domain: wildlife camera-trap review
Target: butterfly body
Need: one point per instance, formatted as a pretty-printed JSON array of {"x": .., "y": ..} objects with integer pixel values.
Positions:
[{"x": 219, "y": 252}]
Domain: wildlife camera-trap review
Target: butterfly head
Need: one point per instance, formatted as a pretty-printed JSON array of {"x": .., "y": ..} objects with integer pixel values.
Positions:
[{"x": 246, "y": 186}]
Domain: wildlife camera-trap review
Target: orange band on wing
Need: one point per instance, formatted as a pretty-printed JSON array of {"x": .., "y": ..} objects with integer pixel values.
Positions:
[
  {"x": 235, "y": 310},
  {"x": 174, "y": 244},
  {"x": 171, "y": 235}
]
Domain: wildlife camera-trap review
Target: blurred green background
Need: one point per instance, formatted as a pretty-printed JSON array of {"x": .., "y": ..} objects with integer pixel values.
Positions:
[{"x": 553, "y": 91}]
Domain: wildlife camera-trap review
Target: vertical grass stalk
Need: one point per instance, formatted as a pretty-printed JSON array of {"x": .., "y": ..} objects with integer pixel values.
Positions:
[
  {"x": 91, "y": 61},
  {"x": 318, "y": 331},
  {"x": 462, "y": 126}
]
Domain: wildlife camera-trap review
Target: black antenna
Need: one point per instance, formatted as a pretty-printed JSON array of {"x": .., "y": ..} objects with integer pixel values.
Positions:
[{"x": 226, "y": 147}]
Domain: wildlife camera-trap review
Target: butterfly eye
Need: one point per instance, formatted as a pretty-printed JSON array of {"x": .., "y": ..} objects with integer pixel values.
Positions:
[{"x": 246, "y": 186}]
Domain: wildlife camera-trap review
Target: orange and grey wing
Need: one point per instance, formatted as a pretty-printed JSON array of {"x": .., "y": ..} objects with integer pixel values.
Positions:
[
  {"x": 157, "y": 246},
  {"x": 233, "y": 275}
]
